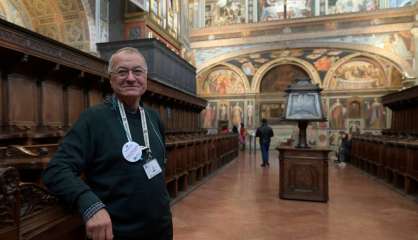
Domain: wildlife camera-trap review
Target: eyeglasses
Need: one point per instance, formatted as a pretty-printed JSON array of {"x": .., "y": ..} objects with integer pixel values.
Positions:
[{"x": 123, "y": 72}]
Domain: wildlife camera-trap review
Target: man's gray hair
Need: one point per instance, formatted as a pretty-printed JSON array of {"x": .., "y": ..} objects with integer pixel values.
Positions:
[{"x": 130, "y": 50}]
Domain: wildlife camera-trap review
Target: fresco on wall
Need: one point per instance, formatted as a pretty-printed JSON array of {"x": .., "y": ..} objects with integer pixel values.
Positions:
[
  {"x": 237, "y": 113},
  {"x": 299, "y": 8},
  {"x": 280, "y": 77},
  {"x": 250, "y": 114},
  {"x": 272, "y": 112},
  {"x": 222, "y": 12},
  {"x": 223, "y": 111},
  {"x": 359, "y": 73},
  {"x": 271, "y": 10},
  {"x": 354, "y": 108},
  {"x": 375, "y": 113},
  {"x": 345, "y": 6},
  {"x": 355, "y": 126},
  {"x": 337, "y": 113},
  {"x": 400, "y": 43},
  {"x": 209, "y": 115},
  {"x": 221, "y": 82}
]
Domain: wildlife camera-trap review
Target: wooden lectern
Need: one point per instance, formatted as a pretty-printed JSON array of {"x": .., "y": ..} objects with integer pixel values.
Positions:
[{"x": 303, "y": 173}]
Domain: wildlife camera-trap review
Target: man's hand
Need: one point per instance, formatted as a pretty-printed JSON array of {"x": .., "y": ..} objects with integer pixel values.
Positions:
[{"x": 99, "y": 227}]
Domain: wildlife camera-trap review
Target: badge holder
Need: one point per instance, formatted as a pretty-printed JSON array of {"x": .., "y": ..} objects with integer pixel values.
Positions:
[{"x": 151, "y": 166}]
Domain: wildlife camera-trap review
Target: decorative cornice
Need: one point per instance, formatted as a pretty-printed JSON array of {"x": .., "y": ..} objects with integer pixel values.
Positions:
[
  {"x": 25, "y": 41},
  {"x": 303, "y": 36}
]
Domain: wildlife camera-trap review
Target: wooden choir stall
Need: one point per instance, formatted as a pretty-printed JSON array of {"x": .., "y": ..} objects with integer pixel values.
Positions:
[
  {"x": 393, "y": 156},
  {"x": 45, "y": 85}
]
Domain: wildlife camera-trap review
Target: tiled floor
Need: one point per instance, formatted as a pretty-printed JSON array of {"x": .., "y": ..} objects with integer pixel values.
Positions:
[{"x": 241, "y": 203}]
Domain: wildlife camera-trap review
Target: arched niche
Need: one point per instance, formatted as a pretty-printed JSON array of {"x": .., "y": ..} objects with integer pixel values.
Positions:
[
  {"x": 362, "y": 72},
  {"x": 280, "y": 77},
  {"x": 294, "y": 67},
  {"x": 221, "y": 80}
]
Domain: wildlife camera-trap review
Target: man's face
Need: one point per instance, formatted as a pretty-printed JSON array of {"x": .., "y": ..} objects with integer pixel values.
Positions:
[{"x": 129, "y": 75}]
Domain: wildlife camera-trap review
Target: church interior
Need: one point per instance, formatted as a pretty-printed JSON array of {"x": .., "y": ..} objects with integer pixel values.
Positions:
[{"x": 214, "y": 65}]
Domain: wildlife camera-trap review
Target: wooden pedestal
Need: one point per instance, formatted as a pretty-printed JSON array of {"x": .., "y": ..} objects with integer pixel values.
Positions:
[{"x": 303, "y": 173}]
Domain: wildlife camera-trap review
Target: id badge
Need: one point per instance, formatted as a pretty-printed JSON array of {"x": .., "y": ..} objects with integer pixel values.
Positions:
[{"x": 152, "y": 168}]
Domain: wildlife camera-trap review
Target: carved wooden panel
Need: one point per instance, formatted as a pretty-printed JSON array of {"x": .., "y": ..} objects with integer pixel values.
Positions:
[
  {"x": 95, "y": 97},
  {"x": 303, "y": 174},
  {"x": 52, "y": 104},
  {"x": 23, "y": 99},
  {"x": 75, "y": 103}
]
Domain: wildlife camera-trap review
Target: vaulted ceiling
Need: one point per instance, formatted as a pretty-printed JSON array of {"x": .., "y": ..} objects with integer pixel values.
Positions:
[{"x": 63, "y": 20}]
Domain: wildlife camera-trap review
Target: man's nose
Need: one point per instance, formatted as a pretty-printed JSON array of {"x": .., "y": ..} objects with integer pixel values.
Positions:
[{"x": 131, "y": 76}]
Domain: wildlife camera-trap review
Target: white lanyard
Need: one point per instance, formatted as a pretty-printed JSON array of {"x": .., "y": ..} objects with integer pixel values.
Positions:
[{"x": 126, "y": 124}]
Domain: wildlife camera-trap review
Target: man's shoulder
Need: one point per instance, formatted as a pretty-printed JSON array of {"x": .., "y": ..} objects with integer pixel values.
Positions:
[{"x": 95, "y": 111}]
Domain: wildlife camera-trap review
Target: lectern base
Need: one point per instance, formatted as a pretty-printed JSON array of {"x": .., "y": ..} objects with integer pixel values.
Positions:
[{"x": 303, "y": 173}]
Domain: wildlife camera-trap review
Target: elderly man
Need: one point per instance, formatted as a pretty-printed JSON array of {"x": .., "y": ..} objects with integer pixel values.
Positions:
[{"x": 120, "y": 147}]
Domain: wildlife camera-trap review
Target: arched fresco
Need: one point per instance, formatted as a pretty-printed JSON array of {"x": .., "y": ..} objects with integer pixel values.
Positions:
[
  {"x": 361, "y": 72},
  {"x": 222, "y": 80},
  {"x": 279, "y": 78}
]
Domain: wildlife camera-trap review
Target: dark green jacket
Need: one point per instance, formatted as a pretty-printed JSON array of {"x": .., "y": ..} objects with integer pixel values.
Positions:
[{"x": 94, "y": 147}]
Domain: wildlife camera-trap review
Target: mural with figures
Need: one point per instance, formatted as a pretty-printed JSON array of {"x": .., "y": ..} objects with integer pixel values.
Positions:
[
  {"x": 353, "y": 84},
  {"x": 359, "y": 73},
  {"x": 222, "y": 81},
  {"x": 222, "y": 12}
]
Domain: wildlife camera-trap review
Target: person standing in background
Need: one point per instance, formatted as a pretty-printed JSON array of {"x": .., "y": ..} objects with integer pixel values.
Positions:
[{"x": 265, "y": 133}]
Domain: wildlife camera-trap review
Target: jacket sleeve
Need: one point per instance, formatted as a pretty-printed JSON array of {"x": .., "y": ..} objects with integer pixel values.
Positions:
[{"x": 62, "y": 175}]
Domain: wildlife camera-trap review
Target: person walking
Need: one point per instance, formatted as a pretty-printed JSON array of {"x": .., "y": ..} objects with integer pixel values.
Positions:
[{"x": 265, "y": 133}]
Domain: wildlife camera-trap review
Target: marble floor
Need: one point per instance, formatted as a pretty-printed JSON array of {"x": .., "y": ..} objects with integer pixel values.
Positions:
[{"x": 240, "y": 202}]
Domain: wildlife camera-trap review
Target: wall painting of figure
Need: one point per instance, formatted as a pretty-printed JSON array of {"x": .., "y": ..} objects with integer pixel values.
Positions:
[
  {"x": 337, "y": 113},
  {"x": 222, "y": 81},
  {"x": 375, "y": 114},
  {"x": 237, "y": 113}
]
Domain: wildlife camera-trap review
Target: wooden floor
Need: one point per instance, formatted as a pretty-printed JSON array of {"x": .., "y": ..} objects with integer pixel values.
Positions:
[{"x": 241, "y": 202}]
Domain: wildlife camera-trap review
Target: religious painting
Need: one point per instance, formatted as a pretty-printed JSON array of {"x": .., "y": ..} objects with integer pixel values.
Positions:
[
  {"x": 337, "y": 113},
  {"x": 358, "y": 73},
  {"x": 223, "y": 111},
  {"x": 223, "y": 12},
  {"x": 347, "y": 6},
  {"x": 322, "y": 138},
  {"x": 299, "y": 8},
  {"x": 271, "y": 10},
  {"x": 354, "y": 107},
  {"x": 355, "y": 126},
  {"x": 334, "y": 138},
  {"x": 250, "y": 114},
  {"x": 280, "y": 77},
  {"x": 222, "y": 81},
  {"x": 375, "y": 114},
  {"x": 273, "y": 112},
  {"x": 236, "y": 113},
  {"x": 209, "y": 115}
]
